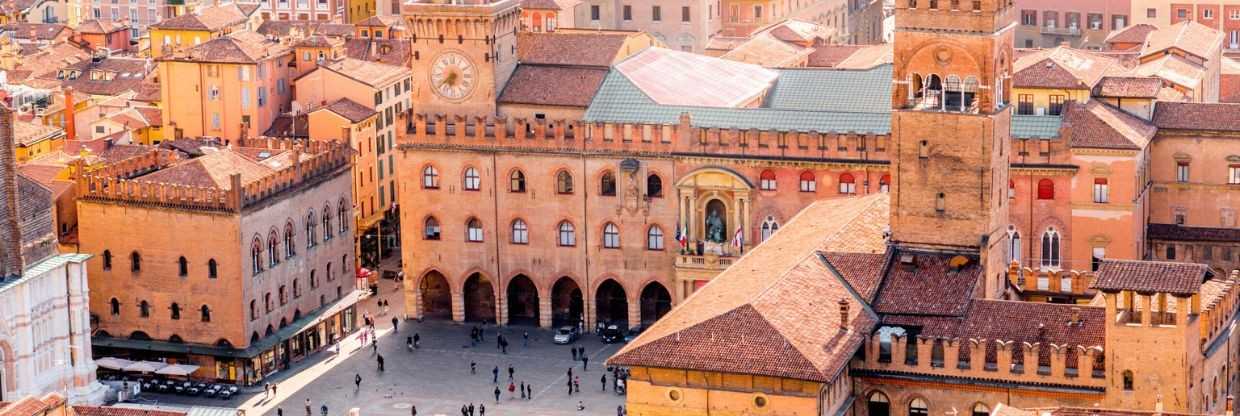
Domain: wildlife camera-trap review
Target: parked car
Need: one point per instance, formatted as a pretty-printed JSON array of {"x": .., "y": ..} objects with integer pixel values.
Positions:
[
  {"x": 612, "y": 334},
  {"x": 565, "y": 335},
  {"x": 633, "y": 333}
]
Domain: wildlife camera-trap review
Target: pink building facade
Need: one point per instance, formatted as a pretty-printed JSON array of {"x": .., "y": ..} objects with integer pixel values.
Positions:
[{"x": 1079, "y": 23}]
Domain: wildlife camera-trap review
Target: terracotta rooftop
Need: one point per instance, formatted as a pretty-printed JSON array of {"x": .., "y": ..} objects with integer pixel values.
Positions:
[
  {"x": 26, "y": 133},
  {"x": 380, "y": 21},
  {"x": 1175, "y": 69},
  {"x": 766, "y": 50},
  {"x": 122, "y": 411},
  {"x": 284, "y": 28},
  {"x": 1173, "y": 232},
  {"x": 374, "y": 74},
  {"x": 1014, "y": 321},
  {"x": 1189, "y": 36},
  {"x": 828, "y": 56},
  {"x": 396, "y": 52},
  {"x": 100, "y": 27},
  {"x": 750, "y": 319},
  {"x": 109, "y": 76},
  {"x": 1099, "y": 125},
  {"x": 212, "y": 19},
  {"x": 863, "y": 271},
  {"x": 1131, "y": 34},
  {"x": 236, "y": 48},
  {"x": 27, "y": 406},
  {"x": 34, "y": 31},
  {"x": 213, "y": 169},
  {"x": 539, "y": 5},
  {"x": 1062, "y": 67},
  {"x": 350, "y": 110},
  {"x": 1151, "y": 276},
  {"x": 578, "y": 48},
  {"x": 1197, "y": 116},
  {"x": 552, "y": 85},
  {"x": 1128, "y": 87},
  {"x": 928, "y": 285}
]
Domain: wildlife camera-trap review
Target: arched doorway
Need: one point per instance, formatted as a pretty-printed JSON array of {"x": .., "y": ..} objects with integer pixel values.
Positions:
[
  {"x": 522, "y": 301},
  {"x": 656, "y": 302},
  {"x": 436, "y": 296},
  {"x": 611, "y": 306},
  {"x": 567, "y": 305},
  {"x": 479, "y": 299},
  {"x": 878, "y": 404}
]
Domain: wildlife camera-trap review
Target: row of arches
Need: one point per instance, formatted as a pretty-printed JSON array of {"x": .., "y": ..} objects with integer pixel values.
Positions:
[
  {"x": 471, "y": 180},
  {"x": 879, "y": 404},
  {"x": 282, "y": 246},
  {"x": 808, "y": 182},
  {"x": 523, "y": 303}
]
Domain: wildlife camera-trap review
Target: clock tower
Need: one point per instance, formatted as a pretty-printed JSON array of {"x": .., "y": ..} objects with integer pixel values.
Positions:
[
  {"x": 949, "y": 124},
  {"x": 463, "y": 53}
]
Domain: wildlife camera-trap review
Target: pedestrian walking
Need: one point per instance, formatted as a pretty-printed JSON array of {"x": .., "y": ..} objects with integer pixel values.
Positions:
[
  {"x": 409, "y": 343},
  {"x": 279, "y": 411},
  {"x": 512, "y": 388},
  {"x": 570, "y": 386},
  {"x": 574, "y": 353},
  {"x": 584, "y": 362},
  {"x": 266, "y": 390},
  {"x": 525, "y": 338},
  {"x": 604, "y": 381},
  {"x": 308, "y": 407},
  {"x": 380, "y": 360},
  {"x": 570, "y": 373},
  {"x": 464, "y": 410},
  {"x": 413, "y": 411},
  {"x": 620, "y": 410},
  {"x": 473, "y": 367},
  {"x": 471, "y": 409},
  {"x": 394, "y": 322},
  {"x": 357, "y": 382},
  {"x": 580, "y": 406},
  {"x": 273, "y": 390},
  {"x": 510, "y": 372},
  {"x": 529, "y": 394},
  {"x": 522, "y": 390},
  {"x": 497, "y": 394},
  {"x": 503, "y": 345},
  {"x": 323, "y": 409},
  {"x": 495, "y": 375},
  {"x": 482, "y": 409},
  {"x": 416, "y": 339},
  {"x": 581, "y": 351},
  {"x": 576, "y": 384}
]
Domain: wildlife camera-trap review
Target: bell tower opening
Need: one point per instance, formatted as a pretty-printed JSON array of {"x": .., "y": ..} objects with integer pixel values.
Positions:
[{"x": 950, "y": 124}]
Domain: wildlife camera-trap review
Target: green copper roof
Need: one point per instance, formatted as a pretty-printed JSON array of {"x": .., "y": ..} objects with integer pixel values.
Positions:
[
  {"x": 1035, "y": 127},
  {"x": 848, "y": 91}
]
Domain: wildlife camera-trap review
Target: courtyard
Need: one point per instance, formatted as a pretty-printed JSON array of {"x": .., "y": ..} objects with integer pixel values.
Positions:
[{"x": 435, "y": 377}]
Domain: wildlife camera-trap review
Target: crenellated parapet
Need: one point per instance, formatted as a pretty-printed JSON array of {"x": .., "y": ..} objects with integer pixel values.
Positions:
[
  {"x": 639, "y": 138},
  {"x": 1069, "y": 283},
  {"x": 1218, "y": 311},
  {"x": 122, "y": 182},
  {"x": 1077, "y": 366}
]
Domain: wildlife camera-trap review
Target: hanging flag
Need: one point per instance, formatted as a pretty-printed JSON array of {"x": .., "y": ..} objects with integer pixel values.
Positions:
[
  {"x": 681, "y": 236},
  {"x": 738, "y": 240}
]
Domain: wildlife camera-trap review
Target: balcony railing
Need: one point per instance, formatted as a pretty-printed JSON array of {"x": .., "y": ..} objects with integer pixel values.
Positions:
[
  {"x": 1055, "y": 30},
  {"x": 707, "y": 262}
]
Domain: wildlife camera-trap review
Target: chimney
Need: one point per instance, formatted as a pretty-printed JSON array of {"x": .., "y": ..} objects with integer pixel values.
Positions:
[
  {"x": 1076, "y": 316},
  {"x": 843, "y": 314},
  {"x": 10, "y": 232},
  {"x": 70, "y": 115}
]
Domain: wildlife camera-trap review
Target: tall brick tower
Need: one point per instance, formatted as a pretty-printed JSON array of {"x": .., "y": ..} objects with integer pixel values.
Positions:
[
  {"x": 950, "y": 118},
  {"x": 463, "y": 53}
]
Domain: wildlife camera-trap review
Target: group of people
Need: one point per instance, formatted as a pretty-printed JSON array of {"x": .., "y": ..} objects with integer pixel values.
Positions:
[{"x": 579, "y": 353}]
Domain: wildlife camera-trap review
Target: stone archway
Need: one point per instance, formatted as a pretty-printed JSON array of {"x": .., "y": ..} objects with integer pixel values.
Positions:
[
  {"x": 567, "y": 303},
  {"x": 436, "y": 296},
  {"x": 479, "y": 299},
  {"x": 610, "y": 304},
  {"x": 522, "y": 301},
  {"x": 656, "y": 301},
  {"x": 8, "y": 373}
]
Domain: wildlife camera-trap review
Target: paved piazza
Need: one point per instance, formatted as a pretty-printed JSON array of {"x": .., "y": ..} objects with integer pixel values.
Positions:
[{"x": 435, "y": 378}]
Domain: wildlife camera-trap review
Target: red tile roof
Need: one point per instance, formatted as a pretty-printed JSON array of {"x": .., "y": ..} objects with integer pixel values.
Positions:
[
  {"x": 553, "y": 85},
  {"x": 210, "y": 19},
  {"x": 1128, "y": 87},
  {"x": 1062, "y": 67},
  {"x": 1014, "y": 321},
  {"x": 1131, "y": 34},
  {"x": 1197, "y": 116},
  {"x": 100, "y": 27},
  {"x": 1151, "y": 276},
  {"x": 828, "y": 56},
  {"x": 1173, "y": 232},
  {"x": 588, "y": 49},
  {"x": 121, "y": 411},
  {"x": 27, "y": 406},
  {"x": 863, "y": 271},
  {"x": 929, "y": 288},
  {"x": 350, "y": 110},
  {"x": 539, "y": 5},
  {"x": 1100, "y": 126},
  {"x": 1189, "y": 36}
]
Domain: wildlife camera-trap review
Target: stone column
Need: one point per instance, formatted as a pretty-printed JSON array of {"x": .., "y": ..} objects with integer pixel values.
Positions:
[
  {"x": 458, "y": 305},
  {"x": 501, "y": 306},
  {"x": 635, "y": 310}
]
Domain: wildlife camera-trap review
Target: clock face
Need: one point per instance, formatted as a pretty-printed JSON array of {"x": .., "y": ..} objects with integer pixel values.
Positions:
[{"x": 453, "y": 76}]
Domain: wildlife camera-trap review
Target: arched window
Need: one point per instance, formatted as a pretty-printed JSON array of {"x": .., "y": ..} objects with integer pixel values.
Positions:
[
  {"x": 342, "y": 212},
  {"x": 940, "y": 202},
  {"x": 1046, "y": 189},
  {"x": 327, "y": 222},
  {"x": 135, "y": 262},
  {"x": 290, "y": 249},
  {"x": 848, "y": 184},
  {"x": 769, "y": 227},
  {"x": 314, "y": 280},
  {"x": 607, "y": 184},
  {"x": 877, "y": 404},
  {"x": 654, "y": 238},
  {"x": 253, "y": 310},
  {"x": 144, "y": 309},
  {"x": 766, "y": 181},
  {"x": 1128, "y": 380},
  {"x": 568, "y": 236},
  {"x": 296, "y": 289},
  {"x": 611, "y": 236},
  {"x": 1014, "y": 245},
  {"x": 268, "y": 305},
  {"x": 654, "y": 186},
  {"x": 273, "y": 249},
  {"x": 176, "y": 311},
  {"x": 213, "y": 269},
  {"x": 1050, "y": 248},
  {"x": 807, "y": 182},
  {"x": 283, "y": 295},
  {"x": 116, "y": 306},
  {"x": 430, "y": 229},
  {"x": 256, "y": 256},
  {"x": 563, "y": 182},
  {"x": 473, "y": 230},
  {"x": 182, "y": 266},
  {"x": 430, "y": 178},
  {"x": 206, "y": 313},
  {"x": 516, "y": 181},
  {"x": 520, "y": 232},
  {"x": 312, "y": 228},
  {"x": 107, "y": 260},
  {"x": 981, "y": 410},
  {"x": 918, "y": 407},
  {"x": 884, "y": 183},
  {"x": 473, "y": 182},
  {"x": 329, "y": 270}
]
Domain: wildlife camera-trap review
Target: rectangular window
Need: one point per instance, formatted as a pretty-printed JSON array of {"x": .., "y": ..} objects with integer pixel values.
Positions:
[
  {"x": 382, "y": 196},
  {"x": 215, "y": 121},
  {"x": 1024, "y": 104},
  {"x": 1233, "y": 175},
  {"x": 1119, "y": 21},
  {"x": 262, "y": 96},
  {"x": 1102, "y": 191},
  {"x": 656, "y": 13},
  {"x": 734, "y": 13},
  {"x": 1151, "y": 13},
  {"x": 757, "y": 12},
  {"x": 245, "y": 98},
  {"x": 380, "y": 169},
  {"x": 243, "y": 73},
  {"x": 1056, "y": 107},
  {"x": 1029, "y": 17},
  {"x": 594, "y": 13},
  {"x": 1094, "y": 21},
  {"x": 684, "y": 14},
  {"x": 1234, "y": 14},
  {"x": 1181, "y": 13},
  {"x": 628, "y": 12},
  {"x": 1181, "y": 172}
]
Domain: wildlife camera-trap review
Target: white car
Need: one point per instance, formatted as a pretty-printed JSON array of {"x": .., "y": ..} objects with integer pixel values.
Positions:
[{"x": 565, "y": 335}]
